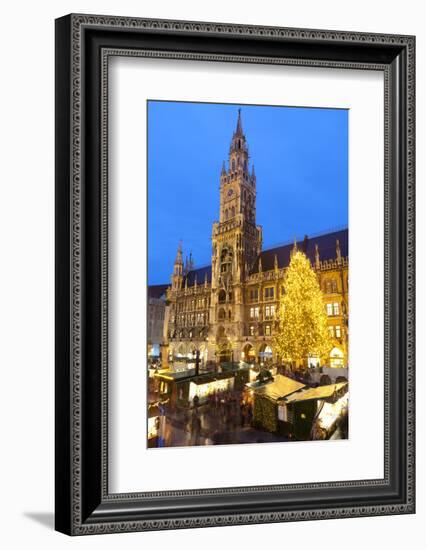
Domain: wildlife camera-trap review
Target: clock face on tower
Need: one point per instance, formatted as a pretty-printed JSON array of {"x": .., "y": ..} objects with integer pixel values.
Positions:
[{"x": 230, "y": 192}]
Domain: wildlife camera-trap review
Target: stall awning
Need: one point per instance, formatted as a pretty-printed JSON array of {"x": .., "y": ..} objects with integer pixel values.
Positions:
[
  {"x": 282, "y": 386},
  {"x": 321, "y": 392}
]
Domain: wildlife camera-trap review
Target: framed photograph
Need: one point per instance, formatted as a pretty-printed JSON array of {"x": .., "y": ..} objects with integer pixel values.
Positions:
[{"x": 234, "y": 274}]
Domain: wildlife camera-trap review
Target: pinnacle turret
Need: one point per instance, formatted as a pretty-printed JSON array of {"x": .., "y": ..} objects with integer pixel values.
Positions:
[
  {"x": 238, "y": 143},
  {"x": 239, "y": 130},
  {"x": 178, "y": 269}
]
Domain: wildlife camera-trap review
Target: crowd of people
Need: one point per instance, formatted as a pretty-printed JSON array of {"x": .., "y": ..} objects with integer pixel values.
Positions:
[{"x": 221, "y": 411}]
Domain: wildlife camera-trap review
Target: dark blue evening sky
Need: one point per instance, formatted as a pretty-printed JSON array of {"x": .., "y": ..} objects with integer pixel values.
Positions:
[{"x": 301, "y": 162}]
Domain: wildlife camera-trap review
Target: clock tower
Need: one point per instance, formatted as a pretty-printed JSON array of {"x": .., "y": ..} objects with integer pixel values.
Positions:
[{"x": 236, "y": 242}]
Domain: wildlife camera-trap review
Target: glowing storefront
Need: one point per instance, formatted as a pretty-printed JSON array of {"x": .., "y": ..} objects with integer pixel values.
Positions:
[{"x": 182, "y": 387}]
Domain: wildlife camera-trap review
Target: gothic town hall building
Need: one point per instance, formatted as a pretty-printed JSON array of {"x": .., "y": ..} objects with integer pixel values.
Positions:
[{"x": 229, "y": 310}]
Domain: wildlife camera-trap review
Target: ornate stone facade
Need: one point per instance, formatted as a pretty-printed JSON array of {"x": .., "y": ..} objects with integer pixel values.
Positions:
[{"x": 228, "y": 311}]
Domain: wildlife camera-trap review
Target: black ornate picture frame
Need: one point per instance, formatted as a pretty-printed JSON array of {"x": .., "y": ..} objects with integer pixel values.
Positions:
[{"x": 84, "y": 44}]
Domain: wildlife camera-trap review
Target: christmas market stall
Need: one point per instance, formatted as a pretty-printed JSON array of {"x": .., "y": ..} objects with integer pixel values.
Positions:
[
  {"x": 182, "y": 388},
  {"x": 285, "y": 406},
  {"x": 314, "y": 413},
  {"x": 265, "y": 394}
]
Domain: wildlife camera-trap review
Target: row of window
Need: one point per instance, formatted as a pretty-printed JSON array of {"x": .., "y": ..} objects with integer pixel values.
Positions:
[
  {"x": 335, "y": 332},
  {"x": 202, "y": 333},
  {"x": 233, "y": 175},
  {"x": 268, "y": 293},
  {"x": 222, "y": 297},
  {"x": 222, "y": 315},
  {"x": 200, "y": 303},
  {"x": 267, "y": 330},
  {"x": 332, "y": 308},
  {"x": 269, "y": 312},
  {"x": 330, "y": 286},
  {"x": 229, "y": 213},
  {"x": 239, "y": 163},
  {"x": 190, "y": 320}
]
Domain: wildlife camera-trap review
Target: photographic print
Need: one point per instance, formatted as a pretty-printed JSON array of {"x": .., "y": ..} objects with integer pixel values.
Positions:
[
  {"x": 203, "y": 232},
  {"x": 248, "y": 274}
]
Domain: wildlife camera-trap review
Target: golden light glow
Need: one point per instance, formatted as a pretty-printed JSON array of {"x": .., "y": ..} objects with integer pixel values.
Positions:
[
  {"x": 331, "y": 412},
  {"x": 152, "y": 426},
  {"x": 303, "y": 325},
  {"x": 204, "y": 390}
]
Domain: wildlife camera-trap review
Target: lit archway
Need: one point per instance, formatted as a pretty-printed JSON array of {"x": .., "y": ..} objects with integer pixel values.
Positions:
[
  {"x": 224, "y": 353},
  {"x": 180, "y": 351},
  {"x": 265, "y": 353},
  {"x": 336, "y": 358},
  {"x": 191, "y": 351},
  {"x": 203, "y": 353},
  {"x": 249, "y": 354}
]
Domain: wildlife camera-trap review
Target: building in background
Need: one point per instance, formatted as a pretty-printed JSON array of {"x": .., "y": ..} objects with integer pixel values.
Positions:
[
  {"x": 228, "y": 311},
  {"x": 155, "y": 320}
]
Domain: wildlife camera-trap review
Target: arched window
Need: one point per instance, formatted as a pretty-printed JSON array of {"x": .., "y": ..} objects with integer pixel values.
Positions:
[
  {"x": 226, "y": 214},
  {"x": 222, "y": 297},
  {"x": 229, "y": 314},
  {"x": 226, "y": 258},
  {"x": 233, "y": 164},
  {"x": 221, "y": 315},
  {"x": 336, "y": 358},
  {"x": 232, "y": 211}
]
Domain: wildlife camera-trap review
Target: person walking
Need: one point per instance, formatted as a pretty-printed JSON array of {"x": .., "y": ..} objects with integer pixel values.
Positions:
[{"x": 196, "y": 428}]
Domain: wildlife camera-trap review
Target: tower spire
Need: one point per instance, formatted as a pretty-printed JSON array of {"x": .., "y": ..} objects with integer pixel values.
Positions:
[
  {"x": 179, "y": 259},
  {"x": 239, "y": 130},
  {"x": 178, "y": 269},
  {"x": 243, "y": 238}
]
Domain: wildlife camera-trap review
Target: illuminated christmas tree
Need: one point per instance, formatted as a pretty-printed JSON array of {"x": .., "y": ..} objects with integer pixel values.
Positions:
[{"x": 303, "y": 329}]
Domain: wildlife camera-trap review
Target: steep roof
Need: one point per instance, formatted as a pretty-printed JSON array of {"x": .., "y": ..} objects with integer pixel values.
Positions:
[
  {"x": 281, "y": 386},
  {"x": 157, "y": 291},
  {"x": 326, "y": 247},
  {"x": 200, "y": 274}
]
